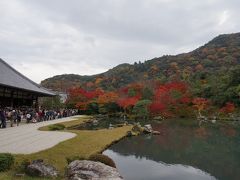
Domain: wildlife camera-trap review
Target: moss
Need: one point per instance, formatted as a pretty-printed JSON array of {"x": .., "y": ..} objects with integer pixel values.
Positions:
[{"x": 56, "y": 127}]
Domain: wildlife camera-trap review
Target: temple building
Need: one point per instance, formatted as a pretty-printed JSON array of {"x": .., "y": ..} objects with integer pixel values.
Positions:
[{"x": 17, "y": 90}]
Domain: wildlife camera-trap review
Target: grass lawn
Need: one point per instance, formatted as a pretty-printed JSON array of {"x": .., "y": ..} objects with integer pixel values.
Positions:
[{"x": 84, "y": 144}]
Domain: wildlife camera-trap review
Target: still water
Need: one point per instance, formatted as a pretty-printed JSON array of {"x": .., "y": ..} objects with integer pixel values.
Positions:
[{"x": 181, "y": 152}]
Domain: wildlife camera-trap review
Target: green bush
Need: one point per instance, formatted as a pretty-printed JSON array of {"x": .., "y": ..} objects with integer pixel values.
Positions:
[
  {"x": 22, "y": 167},
  {"x": 73, "y": 158},
  {"x": 6, "y": 161},
  {"x": 103, "y": 159},
  {"x": 56, "y": 127}
]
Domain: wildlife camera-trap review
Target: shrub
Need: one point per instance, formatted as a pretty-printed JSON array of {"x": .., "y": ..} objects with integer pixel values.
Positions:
[
  {"x": 22, "y": 167},
  {"x": 103, "y": 159},
  {"x": 6, "y": 161},
  {"x": 73, "y": 158},
  {"x": 56, "y": 127}
]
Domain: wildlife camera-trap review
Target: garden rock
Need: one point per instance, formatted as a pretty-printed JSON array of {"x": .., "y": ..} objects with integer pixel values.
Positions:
[
  {"x": 39, "y": 169},
  {"x": 213, "y": 121},
  {"x": 158, "y": 118},
  {"x": 129, "y": 134},
  {"x": 148, "y": 128},
  {"x": 156, "y": 133},
  {"x": 95, "y": 122},
  {"x": 137, "y": 128},
  {"x": 84, "y": 169}
]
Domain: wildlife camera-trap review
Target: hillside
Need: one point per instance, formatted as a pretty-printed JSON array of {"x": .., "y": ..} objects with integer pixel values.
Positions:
[{"x": 215, "y": 58}]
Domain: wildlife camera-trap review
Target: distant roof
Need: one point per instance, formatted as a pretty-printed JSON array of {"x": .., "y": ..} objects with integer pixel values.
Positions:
[{"x": 12, "y": 78}]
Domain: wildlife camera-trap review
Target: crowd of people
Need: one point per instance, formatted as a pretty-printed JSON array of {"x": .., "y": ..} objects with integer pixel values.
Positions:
[{"x": 31, "y": 115}]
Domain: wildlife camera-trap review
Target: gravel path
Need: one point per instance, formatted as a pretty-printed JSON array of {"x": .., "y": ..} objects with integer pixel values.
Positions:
[{"x": 27, "y": 139}]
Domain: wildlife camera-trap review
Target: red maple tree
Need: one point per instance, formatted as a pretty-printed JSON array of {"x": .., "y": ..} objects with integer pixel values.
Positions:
[
  {"x": 228, "y": 108},
  {"x": 169, "y": 97}
]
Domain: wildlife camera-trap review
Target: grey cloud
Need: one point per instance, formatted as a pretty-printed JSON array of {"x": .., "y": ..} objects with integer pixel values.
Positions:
[{"x": 98, "y": 35}]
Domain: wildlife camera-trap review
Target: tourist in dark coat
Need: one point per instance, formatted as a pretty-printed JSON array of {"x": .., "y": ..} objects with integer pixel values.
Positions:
[{"x": 3, "y": 119}]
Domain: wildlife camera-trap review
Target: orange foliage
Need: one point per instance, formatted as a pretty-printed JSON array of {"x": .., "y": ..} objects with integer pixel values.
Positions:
[
  {"x": 200, "y": 103},
  {"x": 98, "y": 80},
  {"x": 107, "y": 97},
  {"x": 81, "y": 98},
  {"x": 199, "y": 67},
  {"x": 128, "y": 102}
]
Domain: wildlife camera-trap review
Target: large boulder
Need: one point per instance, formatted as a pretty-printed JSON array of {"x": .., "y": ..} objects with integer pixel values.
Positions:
[
  {"x": 39, "y": 169},
  {"x": 84, "y": 169}
]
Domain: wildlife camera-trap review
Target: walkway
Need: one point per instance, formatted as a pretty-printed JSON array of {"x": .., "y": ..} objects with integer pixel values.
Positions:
[{"x": 27, "y": 139}]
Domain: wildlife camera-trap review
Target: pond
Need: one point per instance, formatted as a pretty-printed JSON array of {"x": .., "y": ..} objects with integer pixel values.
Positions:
[{"x": 181, "y": 152}]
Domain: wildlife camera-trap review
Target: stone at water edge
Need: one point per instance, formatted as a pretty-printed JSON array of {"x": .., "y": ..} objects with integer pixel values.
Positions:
[
  {"x": 39, "y": 169},
  {"x": 129, "y": 134},
  {"x": 156, "y": 133},
  {"x": 148, "y": 128},
  {"x": 95, "y": 122},
  {"x": 91, "y": 170},
  {"x": 213, "y": 121}
]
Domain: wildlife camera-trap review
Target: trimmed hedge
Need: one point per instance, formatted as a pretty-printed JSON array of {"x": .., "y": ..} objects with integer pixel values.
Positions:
[
  {"x": 95, "y": 157},
  {"x": 56, "y": 127},
  {"x": 6, "y": 161},
  {"x": 103, "y": 159}
]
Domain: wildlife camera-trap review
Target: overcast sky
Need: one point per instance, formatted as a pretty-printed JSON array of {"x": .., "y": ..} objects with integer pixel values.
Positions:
[{"x": 43, "y": 38}]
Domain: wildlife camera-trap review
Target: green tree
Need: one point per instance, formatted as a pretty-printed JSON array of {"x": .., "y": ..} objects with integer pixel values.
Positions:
[
  {"x": 131, "y": 92},
  {"x": 147, "y": 93},
  {"x": 92, "y": 108},
  {"x": 141, "y": 109},
  {"x": 51, "y": 102}
]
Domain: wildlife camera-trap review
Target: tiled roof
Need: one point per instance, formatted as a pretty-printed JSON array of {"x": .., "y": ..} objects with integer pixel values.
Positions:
[{"x": 12, "y": 78}]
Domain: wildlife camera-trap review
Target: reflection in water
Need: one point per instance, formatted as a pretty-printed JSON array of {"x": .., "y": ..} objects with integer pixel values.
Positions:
[
  {"x": 180, "y": 152},
  {"x": 141, "y": 168}
]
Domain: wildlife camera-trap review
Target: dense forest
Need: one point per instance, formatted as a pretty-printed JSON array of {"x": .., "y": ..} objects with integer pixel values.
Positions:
[{"x": 207, "y": 75}]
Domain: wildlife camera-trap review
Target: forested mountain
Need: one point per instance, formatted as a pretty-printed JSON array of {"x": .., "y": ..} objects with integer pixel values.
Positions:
[{"x": 213, "y": 71}]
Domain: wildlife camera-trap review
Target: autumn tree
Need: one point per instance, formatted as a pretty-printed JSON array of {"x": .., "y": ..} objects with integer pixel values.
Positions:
[
  {"x": 228, "y": 108},
  {"x": 80, "y": 98},
  {"x": 200, "y": 104},
  {"x": 159, "y": 109},
  {"x": 107, "y": 102},
  {"x": 169, "y": 98},
  {"x": 127, "y": 103},
  {"x": 107, "y": 97}
]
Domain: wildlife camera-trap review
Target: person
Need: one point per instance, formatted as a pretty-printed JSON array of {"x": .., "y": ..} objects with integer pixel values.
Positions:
[
  {"x": 29, "y": 117},
  {"x": 18, "y": 117},
  {"x": 14, "y": 117},
  {"x": 2, "y": 118},
  {"x": 10, "y": 117}
]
